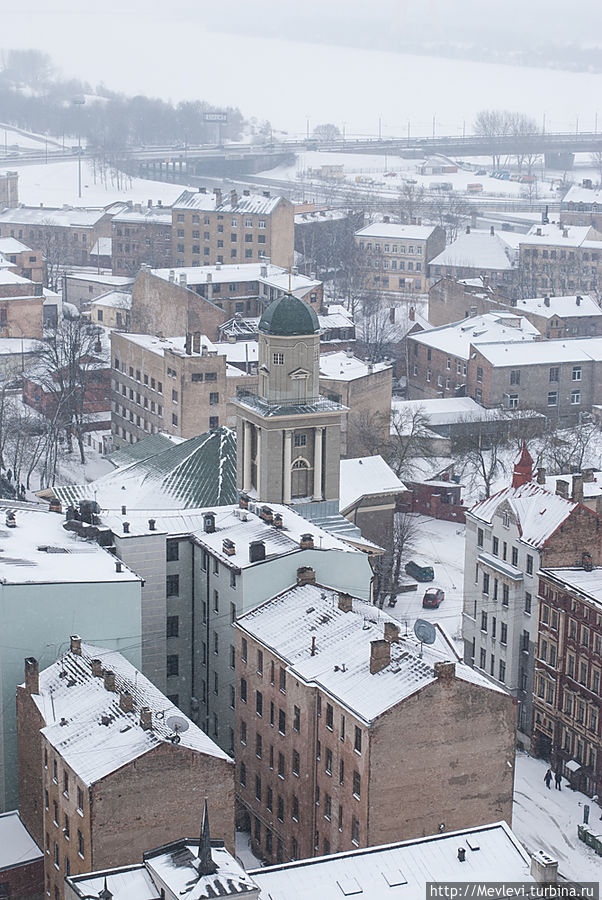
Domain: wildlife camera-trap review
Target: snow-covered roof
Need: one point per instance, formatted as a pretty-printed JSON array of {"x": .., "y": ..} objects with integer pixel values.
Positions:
[
  {"x": 12, "y": 245},
  {"x": 442, "y": 411},
  {"x": 538, "y": 512},
  {"x": 545, "y": 353},
  {"x": 239, "y": 525},
  {"x": 366, "y": 476},
  {"x": 427, "y": 469},
  {"x": 591, "y": 488},
  {"x": 588, "y": 584},
  {"x": 262, "y": 272},
  {"x": 402, "y": 869},
  {"x": 578, "y": 194},
  {"x": 175, "y": 867},
  {"x": 102, "y": 247},
  {"x": 560, "y": 235},
  {"x": 39, "y": 550},
  {"x": 340, "y": 366},
  {"x": 86, "y": 725},
  {"x": 566, "y": 307},
  {"x": 17, "y": 847},
  {"x": 116, "y": 299},
  {"x": 340, "y": 665},
  {"x": 400, "y": 232},
  {"x": 254, "y": 204},
  {"x": 336, "y": 316},
  {"x": 479, "y": 250},
  {"x": 8, "y": 277},
  {"x": 321, "y": 215},
  {"x": 153, "y": 215},
  {"x": 238, "y": 351},
  {"x": 176, "y": 344},
  {"x": 100, "y": 278},
  {"x": 10, "y": 346},
  {"x": 67, "y": 217},
  {"x": 457, "y": 338}
]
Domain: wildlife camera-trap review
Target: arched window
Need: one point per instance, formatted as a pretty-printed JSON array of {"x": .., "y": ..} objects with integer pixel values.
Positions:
[{"x": 300, "y": 486}]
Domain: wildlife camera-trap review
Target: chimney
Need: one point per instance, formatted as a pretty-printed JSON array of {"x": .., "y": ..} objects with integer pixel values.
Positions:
[
  {"x": 243, "y": 500},
  {"x": 577, "y": 489},
  {"x": 562, "y": 489},
  {"x": 246, "y": 193},
  {"x": 188, "y": 344},
  {"x": 588, "y": 476},
  {"x": 587, "y": 562},
  {"x": 412, "y": 314},
  {"x": 578, "y": 300},
  {"x": 380, "y": 656},
  {"x": 345, "y": 602},
  {"x": 202, "y": 190},
  {"x": 306, "y": 575},
  {"x": 565, "y": 232},
  {"x": 152, "y": 524},
  {"x": 123, "y": 510},
  {"x": 126, "y": 527},
  {"x": 76, "y": 644},
  {"x": 256, "y": 551},
  {"x": 209, "y": 522},
  {"x": 196, "y": 342},
  {"x": 109, "y": 678},
  {"x": 492, "y": 231},
  {"x": 391, "y": 632},
  {"x": 183, "y": 280},
  {"x": 126, "y": 701},
  {"x": 266, "y": 513},
  {"x": 118, "y": 565},
  {"x": 267, "y": 194},
  {"x": 386, "y": 220},
  {"x": 233, "y": 198},
  {"x": 146, "y": 719},
  {"x": 544, "y": 869},
  {"x": 32, "y": 675},
  {"x": 541, "y": 475},
  {"x": 461, "y": 854},
  {"x": 228, "y": 547},
  {"x": 445, "y": 670},
  {"x": 96, "y": 667},
  {"x": 307, "y": 542},
  {"x": 149, "y": 204},
  {"x": 263, "y": 271},
  {"x": 172, "y": 275},
  {"x": 546, "y": 301},
  {"x": 278, "y": 521},
  {"x": 218, "y": 196}
]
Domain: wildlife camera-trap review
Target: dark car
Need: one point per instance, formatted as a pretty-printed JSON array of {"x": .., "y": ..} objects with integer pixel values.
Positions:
[{"x": 433, "y": 598}]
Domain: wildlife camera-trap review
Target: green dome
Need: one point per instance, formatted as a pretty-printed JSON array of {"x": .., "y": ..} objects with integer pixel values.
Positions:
[{"x": 289, "y": 316}]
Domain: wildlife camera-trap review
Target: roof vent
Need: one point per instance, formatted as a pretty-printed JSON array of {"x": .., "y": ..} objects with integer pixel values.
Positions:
[
  {"x": 462, "y": 854},
  {"x": 256, "y": 551},
  {"x": 209, "y": 522},
  {"x": 123, "y": 510},
  {"x": 266, "y": 514},
  {"x": 126, "y": 527},
  {"x": 118, "y": 566},
  {"x": 152, "y": 524}
]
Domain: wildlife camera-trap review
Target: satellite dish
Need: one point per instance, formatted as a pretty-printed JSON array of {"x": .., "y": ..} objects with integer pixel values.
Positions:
[
  {"x": 177, "y": 724},
  {"x": 425, "y": 631}
]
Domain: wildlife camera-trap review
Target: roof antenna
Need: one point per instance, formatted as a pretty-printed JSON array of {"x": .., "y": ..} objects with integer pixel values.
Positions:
[{"x": 206, "y": 864}]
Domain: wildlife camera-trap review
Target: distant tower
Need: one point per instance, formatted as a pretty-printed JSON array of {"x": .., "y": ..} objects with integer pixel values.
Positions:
[
  {"x": 523, "y": 468},
  {"x": 206, "y": 864},
  {"x": 288, "y": 435}
]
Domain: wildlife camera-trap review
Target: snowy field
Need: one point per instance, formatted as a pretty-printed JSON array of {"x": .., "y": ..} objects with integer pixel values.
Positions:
[
  {"x": 12, "y": 138},
  {"x": 547, "y": 820},
  {"x": 56, "y": 183}
]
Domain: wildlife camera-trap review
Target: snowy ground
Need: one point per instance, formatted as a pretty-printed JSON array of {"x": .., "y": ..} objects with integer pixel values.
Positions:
[
  {"x": 12, "y": 139},
  {"x": 56, "y": 183},
  {"x": 442, "y": 544},
  {"x": 547, "y": 820},
  {"x": 244, "y": 853}
]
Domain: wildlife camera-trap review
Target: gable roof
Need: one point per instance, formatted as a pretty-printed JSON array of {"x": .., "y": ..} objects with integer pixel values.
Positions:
[{"x": 366, "y": 476}]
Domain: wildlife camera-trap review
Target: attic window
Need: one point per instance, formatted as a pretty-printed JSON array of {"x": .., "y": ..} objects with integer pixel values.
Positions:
[
  {"x": 395, "y": 878},
  {"x": 350, "y": 886}
]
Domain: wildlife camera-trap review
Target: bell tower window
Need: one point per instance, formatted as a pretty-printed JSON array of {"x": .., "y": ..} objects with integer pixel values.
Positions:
[{"x": 278, "y": 359}]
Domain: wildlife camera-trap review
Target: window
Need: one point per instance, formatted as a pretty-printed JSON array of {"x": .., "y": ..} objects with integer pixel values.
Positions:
[
  {"x": 281, "y": 765},
  {"x": 341, "y": 772},
  {"x": 528, "y": 602},
  {"x": 66, "y": 830},
  {"x": 355, "y": 831},
  {"x": 575, "y": 398},
  {"x": 296, "y": 719},
  {"x": 327, "y": 807},
  {"x": 172, "y": 586},
  {"x": 281, "y": 721},
  {"x": 356, "y": 785},
  {"x": 485, "y": 582},
  {"x": 503, "y": 633},
  {"x": 213, "y": 398},
  {"x": 269, "y": 800},
  {"x": 80, "y": 799},
  {"x": 515, "y": 556},
  {"x": 483, "y": 660},
  {"x": 479, "y": 537},
  {"x": 243, "y": 774},
  {"x": 479, "y": 374},
  {"x": 80, "y": 843},
  {"x": 280, "y": 809},
  {"x": 173, "y": 664},
  {"x": 173, "y": 626},
  {"x": 172, "y": 551},
  {"x": 483, "y": 621},
  {"x": 505, "y": 595},
  {"x": 554, "y": 373},
  {"x": 529, "y": 564},
  {"x": 278, "y": 359},
  {"x": 243, "y": 732},
  {"x": 576, "y": 376},
  {"x": 259, "y": 703},
  {"x": 65, "y": 783},
  {"x": 258, "y": 788},
  {"x": 55, "y": 771},
  {"x": 174, "y": 419},
  {"x": 213, "y": 422},
  {"x": 552, "y": 398},
  {"x": 55, "y": 812},
  {"x": 283, "y": 680},
  {"x": 329, "y": 716},
  {"x": 512, "y": 401},
  {"x": 243, "y": 690},
  {"x": 328, "y": 763},
  {"x": 515, "y": 376},
  {"x": 495, "y": 546},
  {"x": 296, "y": 760},
  {"x": 357, "y": 744}
]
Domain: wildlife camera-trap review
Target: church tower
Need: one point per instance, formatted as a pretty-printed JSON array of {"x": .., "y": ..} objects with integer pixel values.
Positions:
[{"x": 288, "y": 435}]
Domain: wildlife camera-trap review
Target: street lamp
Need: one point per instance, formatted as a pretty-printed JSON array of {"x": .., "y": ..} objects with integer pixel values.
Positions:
[{"x": 79, "y": 101}]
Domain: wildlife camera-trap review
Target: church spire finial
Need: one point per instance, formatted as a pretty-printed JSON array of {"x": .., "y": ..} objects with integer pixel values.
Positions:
[{"x": 206, "y": 864}]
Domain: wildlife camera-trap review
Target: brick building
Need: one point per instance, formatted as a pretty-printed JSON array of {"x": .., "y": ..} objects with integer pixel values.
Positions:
[
  {"x": 395, "y": 258},
  {"x": 558, "y": 259},
  {"x": 176, "y": 385},
  {"x": 100, "y": 774},
  {"x": 490, "y": 256},
  {"x": 441, "y": 360},
  {"x": 452, "y": 299},
  {"x": 21, "y": 860},
  {"x": 140, "y": 235},
  {"x": 562, "y": 317},
  {"x": 568, "y": 670},
  {"x": 366, "y": 390},
  {"x": 210, "y": 229},
  {"x": 510, "y": 536},
  {"x": 64, "y": 235},
  {"x": 326, "y": 686}
]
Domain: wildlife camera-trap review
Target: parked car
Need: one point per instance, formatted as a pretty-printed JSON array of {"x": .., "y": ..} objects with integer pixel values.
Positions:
[
  {"x": 420, "y": 571},
  {"x": 433, "y": 598}
]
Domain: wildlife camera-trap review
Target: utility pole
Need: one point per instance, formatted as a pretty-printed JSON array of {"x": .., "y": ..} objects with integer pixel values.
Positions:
[{"x": 79, "y": 101}]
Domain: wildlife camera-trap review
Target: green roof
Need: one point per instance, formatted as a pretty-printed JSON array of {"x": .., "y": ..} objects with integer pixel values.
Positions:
[{"x": 288, "y": 316}]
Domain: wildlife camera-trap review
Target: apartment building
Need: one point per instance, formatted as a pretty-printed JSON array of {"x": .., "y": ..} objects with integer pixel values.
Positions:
[
  {"x": 326, "y": 686},
  {"x": 558, "y": 259},
  {"x": 107, "y": 764},
  {"x": 81, "y": 288},
  {"x": 510, "y": 536},
  {"x": 202, "y": 568},
  {"x": 9, "y": 189},
  {"x": 395, "y": 258},
  {"x": 21, "y": 304},
  {"x": 176, "y": 385},
  {"x": 491, "y": 256},
  {"x": 582, "y": 205},
  {"x": 141, "y": 235},
  {"x": 112, "y": 310},
  {"x": 49, "y": 575},
  {"x": 366, "y": 390},
  {"x": 440, "y": 360},
  {"x": 64, "y": 235},
  {"x": 568, "y": 669},
  {"x": 23, "y": 260},
  {"x": 209, "y": 228},
  {"x": 452, "y": 299},
  {"x": 562, "y": 317}
]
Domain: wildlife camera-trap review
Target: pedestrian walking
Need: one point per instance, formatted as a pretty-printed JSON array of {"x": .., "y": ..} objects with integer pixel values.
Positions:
[
  {"x": 558, "y": 781},
  {"x": 548, "y": 778}
]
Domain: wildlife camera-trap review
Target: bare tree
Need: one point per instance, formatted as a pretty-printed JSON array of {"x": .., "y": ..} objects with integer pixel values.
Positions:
[
  {"x": 377, "y": 330},
  {"x": 388, "y": 566},
  {"x": 479, "y": 452},
  {"x": 327, "y": 132},
  {"x": 410, "y": 438},
  {"x": 451, "y": 211}
]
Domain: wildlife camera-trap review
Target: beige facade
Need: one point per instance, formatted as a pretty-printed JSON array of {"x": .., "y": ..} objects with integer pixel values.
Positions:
[
  {"x": 395, "y": 258},
  {"x": 207, "y": 229},
  {"x": 177, "y": 385}
]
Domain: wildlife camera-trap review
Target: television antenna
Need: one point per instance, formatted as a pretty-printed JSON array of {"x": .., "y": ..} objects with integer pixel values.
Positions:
[
  {"x": 425, "y": 632},
  {"x": 177, "y": 724}
]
